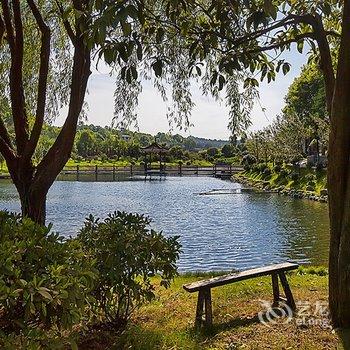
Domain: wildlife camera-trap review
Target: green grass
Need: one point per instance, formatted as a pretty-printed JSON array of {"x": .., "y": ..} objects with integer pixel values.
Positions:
[{"x": 167, "y": 323}]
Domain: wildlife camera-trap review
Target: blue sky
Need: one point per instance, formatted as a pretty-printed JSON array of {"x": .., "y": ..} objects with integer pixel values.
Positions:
[{"x": 210, "y": 119}]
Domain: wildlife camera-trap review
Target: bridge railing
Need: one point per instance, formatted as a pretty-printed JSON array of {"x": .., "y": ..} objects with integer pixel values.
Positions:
[{"x": 185, "y": 170}]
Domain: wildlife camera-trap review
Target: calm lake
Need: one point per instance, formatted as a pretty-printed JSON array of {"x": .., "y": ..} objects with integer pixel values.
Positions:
[{"x": 218, "y": 232}]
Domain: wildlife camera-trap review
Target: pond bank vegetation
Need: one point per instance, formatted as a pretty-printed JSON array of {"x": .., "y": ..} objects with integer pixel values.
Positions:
[{"x": 309, "y": 183}]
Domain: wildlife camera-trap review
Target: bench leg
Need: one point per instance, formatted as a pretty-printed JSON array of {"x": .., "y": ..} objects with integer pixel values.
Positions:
[
  {"x": 208, "y": 308},
  {"x": 287, "y": 291},
  {"x": 275, "y": 289},
  {"x": 204, "y": 306},
  {"x": 200, "y": 306}
]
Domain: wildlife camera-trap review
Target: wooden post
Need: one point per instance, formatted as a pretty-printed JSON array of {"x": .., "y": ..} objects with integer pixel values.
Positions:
[
  {"x": 287, "y": 290},
  {"x": 113, "y": 172},
  {"x": 199, "y": 312},
  {"x": 204, "y": 306},
  {"x": 275, "y": 289},
  {"x": 131, "y": 172},
  {"x": 77, "y": 172},
  {"x": 180, "y": 169},
  {"x": 208, "y": 308},
  {"x": 96, "y": 171},
  {"x": 196, "y": 170}
]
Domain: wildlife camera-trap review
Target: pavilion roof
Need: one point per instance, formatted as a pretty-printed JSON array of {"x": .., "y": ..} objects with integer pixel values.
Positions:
[{"x": 154, "y": 148}]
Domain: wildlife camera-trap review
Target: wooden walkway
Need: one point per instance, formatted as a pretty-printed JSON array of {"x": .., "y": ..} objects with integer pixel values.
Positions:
[{"x": 221, "y": 171}]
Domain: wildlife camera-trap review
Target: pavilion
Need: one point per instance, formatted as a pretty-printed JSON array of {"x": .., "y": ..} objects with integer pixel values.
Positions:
[{"x": 158, "y": 151}]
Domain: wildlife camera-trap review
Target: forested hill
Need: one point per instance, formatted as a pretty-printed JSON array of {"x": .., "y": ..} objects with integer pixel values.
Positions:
[
  {"x": 95, "y": 141},
  {"x": 202, "y": 143},
  {"x": 189, "y": 143}
]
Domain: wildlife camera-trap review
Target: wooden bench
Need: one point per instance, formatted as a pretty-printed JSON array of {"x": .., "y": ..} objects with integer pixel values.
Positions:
[{"x": 204, "y": 288}]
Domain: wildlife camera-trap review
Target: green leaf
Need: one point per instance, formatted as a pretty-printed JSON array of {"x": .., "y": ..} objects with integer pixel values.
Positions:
[
  {"x": 139, "y": 52},
  {"x": 300, "y": 46},
  {"x": 221, "y": 82},
  {"x": 158, "y": 67},
  {"x": 160, "y": 35},
  {"x": 270, "y": 8},
  {"x": 126, "y": 27},
  {"x": 109, "y": 56},
  {"x": 45, "y": 294},
  {"x": 214, "y": 78},
  {"x": 285, "y": 68},
  {"x": 134, "y": 72}
]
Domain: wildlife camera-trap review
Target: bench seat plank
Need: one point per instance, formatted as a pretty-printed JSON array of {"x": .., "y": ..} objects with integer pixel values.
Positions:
[{"x": 239, "y": 276}]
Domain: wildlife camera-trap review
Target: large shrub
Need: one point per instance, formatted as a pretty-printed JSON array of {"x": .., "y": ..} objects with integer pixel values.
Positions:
[
  {"x": 267, "y": 172},
  {"x": 294, "y": 175},
  {"x": 44, "y": 281},
  {"x": 248, "y": 160},
  {"x": 127, "y": 252},
  {"x": 261, "y": 167},
  {"x": 277, "y": 168},
  {"x": 310, "y": 177}
]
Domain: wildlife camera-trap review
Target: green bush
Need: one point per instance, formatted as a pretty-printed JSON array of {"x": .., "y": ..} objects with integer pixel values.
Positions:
[
  {"x": 311, "y": 183},
  {"x": 277, "y": 168},
  {"x": 319, "y": 166},
  {"x": 126, "y": 253},
  {"x": 248, "y": 160},
  {"x": 259, "y": 168},
  {"x": 310, "y": 177},
  {"x": 310, "y": 188},
  {"x": 267, "y": 172},
  {"x": 294, "y": 176},
  {"x": 44, "y": 281},
  {"x": 247, "y": 167},
  {"x": 284, "y": 173}
]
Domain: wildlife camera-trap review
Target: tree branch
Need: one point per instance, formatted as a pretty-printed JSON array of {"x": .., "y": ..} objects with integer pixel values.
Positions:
[
  {"x": 66, "y": 24},
  {"x": 42, "y": 84},
  {"x": 4, "y": 133},
  {"x": 57, "y": 156},
  {"x": 288, "y": 20},
  {"x": 7, "y": 151},
  {"x": 326, "y": 60},
  {"x": 16, "y": 82},
  {"x": 278, "y": 45},
  {"x": 8, "y": 24},
  {"x": 2, "y": 29}
]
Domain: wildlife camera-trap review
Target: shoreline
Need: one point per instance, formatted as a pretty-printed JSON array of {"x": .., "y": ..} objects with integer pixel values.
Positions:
[{"x": 265, "y": 186}]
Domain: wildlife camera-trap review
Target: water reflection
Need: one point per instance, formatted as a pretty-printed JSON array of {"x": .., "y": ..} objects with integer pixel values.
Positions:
[{"x": 217, "y": 231}]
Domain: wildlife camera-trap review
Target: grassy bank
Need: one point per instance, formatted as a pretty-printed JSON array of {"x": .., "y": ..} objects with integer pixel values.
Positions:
[
  {"x": 305, "y": 180},
  {"x": 167, "y": 323}
]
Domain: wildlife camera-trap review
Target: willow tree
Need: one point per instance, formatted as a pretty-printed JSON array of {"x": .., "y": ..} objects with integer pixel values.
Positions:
[
  {"x": 225, "y": 37},
  {"x": 46, "y": 49}
]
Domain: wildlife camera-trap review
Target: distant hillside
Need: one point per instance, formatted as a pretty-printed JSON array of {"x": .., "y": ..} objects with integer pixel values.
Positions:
[
  {"x": 208, "y": 143},
  {"x": 189, "y": 143}
]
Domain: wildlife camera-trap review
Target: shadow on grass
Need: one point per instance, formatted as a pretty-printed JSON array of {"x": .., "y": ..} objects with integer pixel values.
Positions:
[
  {"x": 137, "y": 337},
  {"x": 231, "y": 324}
]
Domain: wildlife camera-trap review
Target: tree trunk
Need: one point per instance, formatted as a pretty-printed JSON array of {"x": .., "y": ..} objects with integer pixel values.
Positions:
[
  {"x": 33, "y": 206},
  {"x": 339, "y": 185}
]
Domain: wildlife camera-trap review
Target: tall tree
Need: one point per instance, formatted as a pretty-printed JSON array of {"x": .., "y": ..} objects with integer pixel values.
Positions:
[{"x": 46, "y": 49}]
